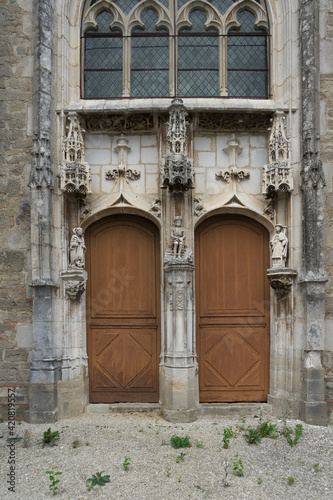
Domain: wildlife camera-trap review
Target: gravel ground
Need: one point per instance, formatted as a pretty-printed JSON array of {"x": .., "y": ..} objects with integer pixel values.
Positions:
[{"x": 154, "y": 473}]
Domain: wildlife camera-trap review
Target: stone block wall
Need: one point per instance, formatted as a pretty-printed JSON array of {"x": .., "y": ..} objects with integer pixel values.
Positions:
[
  {"x": 16, "y": 86},
  {"x": 326, "y": 126}
]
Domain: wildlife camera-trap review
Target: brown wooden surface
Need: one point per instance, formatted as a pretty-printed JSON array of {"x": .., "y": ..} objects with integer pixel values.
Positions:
[
  {"x": 232, "y": 289},
  {"x": 123, "y": 336}
]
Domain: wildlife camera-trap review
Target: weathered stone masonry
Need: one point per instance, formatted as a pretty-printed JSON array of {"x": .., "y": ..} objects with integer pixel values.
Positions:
[
  {"x": 44, "y": 354},
  {"x": 16, "y": 87}
]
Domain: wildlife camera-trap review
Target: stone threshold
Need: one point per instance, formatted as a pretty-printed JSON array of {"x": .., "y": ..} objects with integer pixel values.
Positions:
[{"x": 222, "y": 409}]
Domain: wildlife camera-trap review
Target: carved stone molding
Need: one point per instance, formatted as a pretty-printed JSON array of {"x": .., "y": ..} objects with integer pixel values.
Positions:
[
  {"x": 177, "y": 168},
  {"x": 41, "y": 174},
  {"x": 233, "y": 173},
  {"x": 75, "y": 175},
  {"x": 278, "y": 173},
  {"x": 120, "y": 123},
  {"x": 281, "y": 280},
  {"x": 312, "y": 171},
  {"x": 74, "y": 282},
  {"x": 229, "y": 122}
]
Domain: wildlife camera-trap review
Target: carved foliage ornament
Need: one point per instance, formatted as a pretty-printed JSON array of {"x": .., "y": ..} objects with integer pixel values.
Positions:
[
  {"x": 278, "y": 173},
  {"x": 75, "y": 172}
]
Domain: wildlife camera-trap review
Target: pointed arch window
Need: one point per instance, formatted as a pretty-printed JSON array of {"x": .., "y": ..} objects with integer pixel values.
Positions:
[{"x": 168, "y": 48}]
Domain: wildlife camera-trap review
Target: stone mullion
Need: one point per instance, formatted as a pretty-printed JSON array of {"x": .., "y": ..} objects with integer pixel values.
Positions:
[
  {"x": 223, "y": 65},
  {"x": 313, "y": 405},
  {"x": 127, "y": 50}
]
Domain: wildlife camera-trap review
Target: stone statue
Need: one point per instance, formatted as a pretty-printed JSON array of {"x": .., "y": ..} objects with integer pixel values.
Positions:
[
  {"x": 178, "y": 237},
  {"x": 77, "y": 249},
  {"x": 279, "y": 246}
]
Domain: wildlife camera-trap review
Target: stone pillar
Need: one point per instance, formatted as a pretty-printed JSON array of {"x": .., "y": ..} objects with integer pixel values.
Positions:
[
  {"x": 45, "y": 368},
  {"x": 313, "y": 405},
  {"x": 178, "y": 368}
]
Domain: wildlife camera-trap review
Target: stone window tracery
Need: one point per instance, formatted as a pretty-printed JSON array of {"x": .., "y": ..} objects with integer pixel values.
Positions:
[{"x": 168, "y": 48}]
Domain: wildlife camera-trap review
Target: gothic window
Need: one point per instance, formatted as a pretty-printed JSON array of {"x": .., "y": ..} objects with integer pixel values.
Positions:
[{"x": 168, "y": 48}]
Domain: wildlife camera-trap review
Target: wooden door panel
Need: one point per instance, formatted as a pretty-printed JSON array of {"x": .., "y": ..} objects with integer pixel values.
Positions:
[
  {"x": 233, "y": 253},
  {"x": 232, "y": 309},
  {"x": 122, "y": 310},
  {"x": 123, "y": 277}
]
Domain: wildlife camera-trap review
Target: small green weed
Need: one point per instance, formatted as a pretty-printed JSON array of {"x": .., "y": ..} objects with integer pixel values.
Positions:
[
  {"x": 253, "y": 436},
  {"x": 228, "y": 433},
  {"x": 290, "y": 480},
  {"x": 180, "y": 442},
  {"x": 298, "y": 433},
  {"x": 76, "y": 443},
  {"x": 97, "y": 479},
  {"x": 126, "y": 463},
  {"x": 268, "y": 430},
  {"x": 180, "y": 457},
  {"x": 260, "y": 481},
  {"x": 168, "y": 471},
  {"x": 180, "y": 479},
  {"x": 49, "y": 438},
  {"x": 164, "y": 443},
  {"x": 53, "y": 480},
  {"x": 238, "y": 467},
  {"x": 199, "y": 444},
  {"x": 316, "y": 467}
]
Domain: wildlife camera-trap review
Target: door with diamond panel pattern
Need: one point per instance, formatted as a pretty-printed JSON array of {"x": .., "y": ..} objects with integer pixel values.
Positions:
[
  {"x": 123, "y": 336},
  {"x": 232, "y": 256}
]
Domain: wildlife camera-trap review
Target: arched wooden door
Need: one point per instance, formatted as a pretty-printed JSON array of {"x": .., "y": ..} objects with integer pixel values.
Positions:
[
  {"x": 232, "y": 289},
  {"x": 123, "y": 333}
]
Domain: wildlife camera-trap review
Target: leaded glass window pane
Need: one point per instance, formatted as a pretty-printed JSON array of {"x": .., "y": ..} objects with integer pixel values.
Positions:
[
  {"x": 247, "y": 59},
  {"x": 103, "y": 60},
  {"x": 150, "y": 59},
  {"x": 198, "y": 59}
]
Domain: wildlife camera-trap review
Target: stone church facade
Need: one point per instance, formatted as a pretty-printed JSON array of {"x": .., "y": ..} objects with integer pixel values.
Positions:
[{"x": 166, "y": 205}]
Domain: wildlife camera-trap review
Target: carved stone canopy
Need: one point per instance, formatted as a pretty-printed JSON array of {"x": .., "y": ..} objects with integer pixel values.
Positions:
[
  {"x": 75, "y": 178},
  {"x": 177, "y": 168},
  {"x": 278, "y": 173}
]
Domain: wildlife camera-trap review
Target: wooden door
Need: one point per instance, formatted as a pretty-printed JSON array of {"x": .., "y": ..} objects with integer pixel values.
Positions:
[
  {"x": 232, "y": 289},
  {"x": 123, "y": 337}
]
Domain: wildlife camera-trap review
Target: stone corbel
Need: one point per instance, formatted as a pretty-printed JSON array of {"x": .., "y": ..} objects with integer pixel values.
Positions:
[
  {"x": 74, "y": 282},
  {"x": 281, "y": 280}
]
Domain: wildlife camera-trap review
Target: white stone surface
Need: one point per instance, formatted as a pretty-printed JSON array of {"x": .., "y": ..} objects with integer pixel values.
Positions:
[{"x": 149, "y": 155}]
